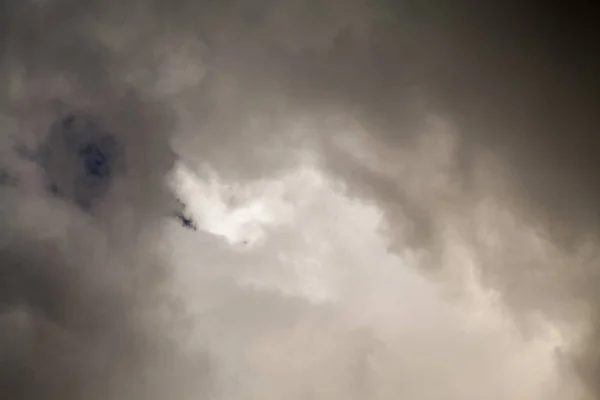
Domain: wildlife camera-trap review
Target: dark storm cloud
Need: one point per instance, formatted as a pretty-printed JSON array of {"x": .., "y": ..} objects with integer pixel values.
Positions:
[
  {"x": 82, "y": 294},
  {"x": 504, "y": 75},
  {"x": 518, "y": 82}
]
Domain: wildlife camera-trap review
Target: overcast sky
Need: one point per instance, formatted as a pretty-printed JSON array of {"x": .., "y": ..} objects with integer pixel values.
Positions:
[{"x": 393, "y": 200}]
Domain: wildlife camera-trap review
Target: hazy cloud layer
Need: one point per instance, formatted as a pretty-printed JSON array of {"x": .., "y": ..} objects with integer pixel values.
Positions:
[{"x": 469, "y": 128}]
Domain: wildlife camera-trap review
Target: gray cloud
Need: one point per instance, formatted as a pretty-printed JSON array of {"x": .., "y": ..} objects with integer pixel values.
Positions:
[{"x": 220, "y": 83}]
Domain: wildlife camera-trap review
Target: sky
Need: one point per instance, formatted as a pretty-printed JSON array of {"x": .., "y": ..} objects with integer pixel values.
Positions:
[{"x": 392, "y": 200}]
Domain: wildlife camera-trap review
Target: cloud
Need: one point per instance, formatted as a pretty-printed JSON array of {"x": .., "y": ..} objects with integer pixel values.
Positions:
[
  {"x": 319, "y": 307},
  {"x": 463, "y": 127}
]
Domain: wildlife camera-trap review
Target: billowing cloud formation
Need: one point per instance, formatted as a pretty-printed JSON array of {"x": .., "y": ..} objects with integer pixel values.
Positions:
[
  {"x": 372, "y": 327},
  {"x": 470, "y": 129}
]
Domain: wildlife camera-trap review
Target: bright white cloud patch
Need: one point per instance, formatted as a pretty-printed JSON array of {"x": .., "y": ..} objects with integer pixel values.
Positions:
[{"x": 299, "y": 297}]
